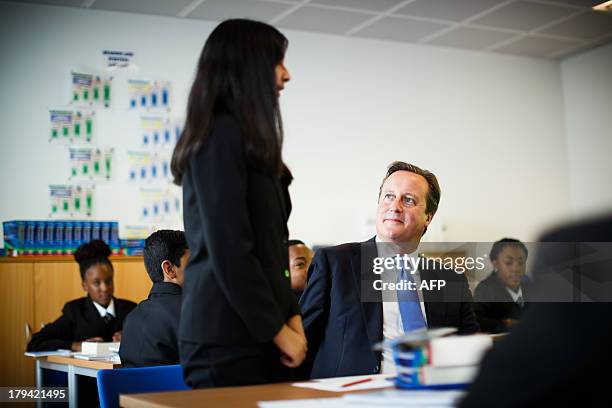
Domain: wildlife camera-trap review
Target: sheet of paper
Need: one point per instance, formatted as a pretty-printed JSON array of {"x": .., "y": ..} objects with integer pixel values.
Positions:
[
  {"x": 402, "y": 398},
  {"x": 305, "y": 403},
  {"x": 67, "y": 353},
  {"x": 340, "y": 384}
]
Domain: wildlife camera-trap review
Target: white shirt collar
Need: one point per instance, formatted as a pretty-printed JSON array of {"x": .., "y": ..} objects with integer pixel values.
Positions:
[
  {"x": 515, "y": 295},
  {"x": 104, "y": 310}
]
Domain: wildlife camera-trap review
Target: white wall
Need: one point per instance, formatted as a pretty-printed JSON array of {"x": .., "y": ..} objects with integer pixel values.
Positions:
[
  {"x": 587, "y": 89},
  {"x": 490, "y": 126}
]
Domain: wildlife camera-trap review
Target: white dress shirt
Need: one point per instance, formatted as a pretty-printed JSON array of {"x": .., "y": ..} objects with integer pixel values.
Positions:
[{"x": 104, "y": 310}]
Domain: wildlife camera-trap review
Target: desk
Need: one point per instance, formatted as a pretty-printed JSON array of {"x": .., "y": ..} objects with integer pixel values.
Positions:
[
  {"x": 235, "y": 397},
  {"x": 73, "y": 367}
]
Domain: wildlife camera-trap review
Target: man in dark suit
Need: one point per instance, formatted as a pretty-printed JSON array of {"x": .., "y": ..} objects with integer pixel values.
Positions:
[
  {"x": 345, "y": 309},
  {"x": 560, "y": 350},
  {"x": 150, "y": 330}
]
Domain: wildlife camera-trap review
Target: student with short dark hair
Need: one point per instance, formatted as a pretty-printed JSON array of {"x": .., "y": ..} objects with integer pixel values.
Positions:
[
  {"x": 150, "y": 331},
  {"x": 96, "y": 317},
  {"x": 300, "y": 257}
]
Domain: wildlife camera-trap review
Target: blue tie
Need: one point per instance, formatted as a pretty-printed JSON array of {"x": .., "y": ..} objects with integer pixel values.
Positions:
[{"x": 409, "y": 306}]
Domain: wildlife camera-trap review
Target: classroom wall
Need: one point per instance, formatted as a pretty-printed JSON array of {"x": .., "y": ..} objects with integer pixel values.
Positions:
[
  {"x": 587, "y": 90},
  {"x": 491, "y": 126}
]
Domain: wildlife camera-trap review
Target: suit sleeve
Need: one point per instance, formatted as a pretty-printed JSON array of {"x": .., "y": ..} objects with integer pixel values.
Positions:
[
  {"x": 468, "y": 317},
  {"x": 315, "y": 304},
  {"x": 56, "y": 335},
  {"x": 220, "y": 181}
]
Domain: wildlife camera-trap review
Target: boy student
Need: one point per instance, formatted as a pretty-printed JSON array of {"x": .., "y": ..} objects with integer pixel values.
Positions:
[{"x": 150, "y": 330}]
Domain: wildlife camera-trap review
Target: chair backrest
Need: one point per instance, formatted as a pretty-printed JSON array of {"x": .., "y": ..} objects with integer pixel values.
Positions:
[{"x": 111, "y": 383}]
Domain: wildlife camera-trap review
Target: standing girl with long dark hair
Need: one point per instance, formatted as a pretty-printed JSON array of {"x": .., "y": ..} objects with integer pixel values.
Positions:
[{"x": 239, "y": 322}]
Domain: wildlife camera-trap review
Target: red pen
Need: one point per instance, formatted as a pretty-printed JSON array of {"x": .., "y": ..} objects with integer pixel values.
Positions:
[{"x": 356, "y": 382}]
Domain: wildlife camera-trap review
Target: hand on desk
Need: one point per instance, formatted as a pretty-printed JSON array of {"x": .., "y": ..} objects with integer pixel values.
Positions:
[
  {"x": 291, "y": 341},
  {"x": 76, "y": 345},
  {"x": 117, "y": 337}
]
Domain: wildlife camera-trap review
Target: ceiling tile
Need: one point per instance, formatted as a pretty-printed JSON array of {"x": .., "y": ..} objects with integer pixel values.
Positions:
[
  {"x": 157, "y": 7},
  {"x": 472, "y": 38},
  {"x": 536, "y": 46},
  {"x": 376, "y": 5},
  {"x": 400, "y": 29},
  {"x": 588, "y": 26},
  {"x": 323, "y": 20},
  {"x": 67, "y": 3},
  {"x": 451, "y": 10},
  {"x": 218, "y": 10},
  {"x": 524, "y": 16}
]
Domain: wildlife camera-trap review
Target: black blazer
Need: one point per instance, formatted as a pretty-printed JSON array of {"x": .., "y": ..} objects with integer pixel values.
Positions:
[
  {"x": 79, "y": 321},
  {"x": 150, "y": 331},
  {"x": 343, "y": 314},
  {"x": 237, "y": 289},
  {"x": 493, "y": 303},
  {"x": 555, "y": 356}
]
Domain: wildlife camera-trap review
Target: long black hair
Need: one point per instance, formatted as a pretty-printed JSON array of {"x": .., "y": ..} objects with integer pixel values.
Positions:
[{"x": 236, "y": 75}]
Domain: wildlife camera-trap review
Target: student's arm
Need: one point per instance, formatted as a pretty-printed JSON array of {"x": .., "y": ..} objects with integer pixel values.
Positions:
[
  {"x": 484, "y": 314},
  {"x": 56, "y": 335}
]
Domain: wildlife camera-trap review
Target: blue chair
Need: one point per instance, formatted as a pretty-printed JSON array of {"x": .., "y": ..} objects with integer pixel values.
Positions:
[{"x": 111, "y": 383}]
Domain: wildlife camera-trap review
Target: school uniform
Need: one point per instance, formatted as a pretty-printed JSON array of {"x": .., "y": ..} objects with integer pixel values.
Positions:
[
  {"x": 82, "y": 319},
  {"x": 237, "y": 292},
  {"x": 150, "y": 331}
]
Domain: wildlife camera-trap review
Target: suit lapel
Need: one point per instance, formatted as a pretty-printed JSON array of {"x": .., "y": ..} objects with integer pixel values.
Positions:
[
  {"x": 370, "y": 299},
  {"x": 92, "y": 315}
]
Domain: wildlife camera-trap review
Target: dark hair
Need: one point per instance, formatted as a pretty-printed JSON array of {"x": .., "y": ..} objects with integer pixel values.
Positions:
[
  {"x": 499, "y": 246},
  {"x": 236, "y": 75},
  {"x": 92, "y": 253},
  {"x": 293, "y": 242},
  {"x": 160, "y": 246},
  {"x": 433, "y": 192}
]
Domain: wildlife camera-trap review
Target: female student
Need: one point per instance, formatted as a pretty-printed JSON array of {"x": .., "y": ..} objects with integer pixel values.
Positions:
[
  {"x": 239, "y": 319},
  {"x": 499, "y": 300},
  {"x": 96, "y": 317}
]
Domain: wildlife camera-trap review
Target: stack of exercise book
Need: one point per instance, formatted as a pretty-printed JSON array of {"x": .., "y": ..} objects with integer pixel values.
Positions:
[{"x": 442, "y": 362}]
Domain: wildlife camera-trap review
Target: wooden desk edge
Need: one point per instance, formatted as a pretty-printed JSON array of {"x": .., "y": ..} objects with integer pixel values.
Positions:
[
  {"x": 237, "y": 397},
  {"x": 98, "y": 365}
]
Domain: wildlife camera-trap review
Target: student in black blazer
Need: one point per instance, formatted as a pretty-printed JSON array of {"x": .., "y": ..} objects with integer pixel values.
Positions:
[
  {"x": 560, "y": 352},
  {"x": 500, "y": 299},
  {"x": 150, "y": 331},
  {"x": 239, "y": 319},
  {"x": 97, "y": 317}
]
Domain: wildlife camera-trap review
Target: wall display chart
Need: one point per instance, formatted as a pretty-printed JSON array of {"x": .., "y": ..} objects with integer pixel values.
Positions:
[{"x": 138, "y": 165}]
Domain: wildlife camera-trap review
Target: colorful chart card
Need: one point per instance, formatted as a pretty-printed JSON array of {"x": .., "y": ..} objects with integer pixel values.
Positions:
[
  {"x": 72, "y": 126},
  {"x": 91, "y": 90},
  {"x": 145, "y": 94}
]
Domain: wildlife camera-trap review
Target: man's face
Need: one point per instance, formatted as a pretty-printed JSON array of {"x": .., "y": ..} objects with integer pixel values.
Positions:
[
  {"x": 299, "y": 261},
  {"x": 401, "y": 216},
  {"x": 510, "y": 265}
]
